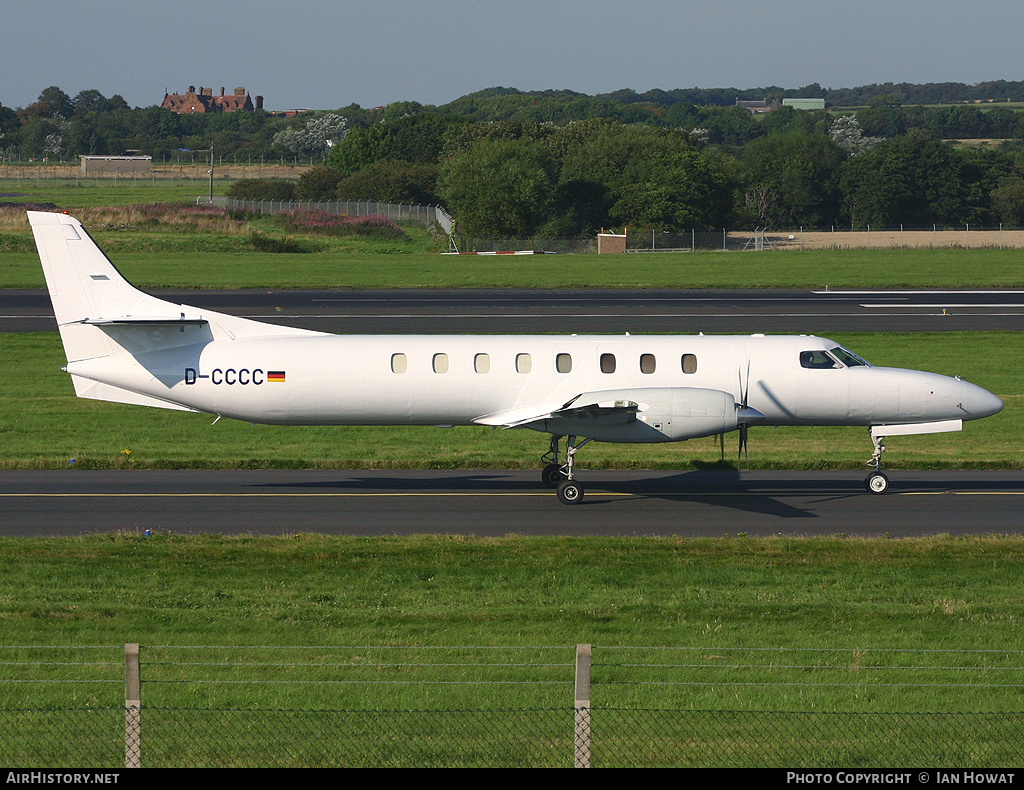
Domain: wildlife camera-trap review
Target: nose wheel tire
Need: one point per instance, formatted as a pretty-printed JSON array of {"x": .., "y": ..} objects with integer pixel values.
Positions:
[
  {"x": 876, "y": 483},
  {"x": 570, "y": 492}
]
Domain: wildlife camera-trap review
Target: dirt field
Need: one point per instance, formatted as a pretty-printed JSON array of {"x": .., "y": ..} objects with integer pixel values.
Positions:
[
  {"x": 57, "y": 172},
  {"x": 883, "y": 239}
]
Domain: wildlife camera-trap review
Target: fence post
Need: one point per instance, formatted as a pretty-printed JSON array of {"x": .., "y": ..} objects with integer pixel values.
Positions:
[
  {"x": 582, "y": 739},
  {"x": 132, "y": 707}
]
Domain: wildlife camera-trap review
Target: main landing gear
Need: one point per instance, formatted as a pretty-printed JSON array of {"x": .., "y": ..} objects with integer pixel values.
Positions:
[
  {"x": 560, "y": 476},
  {"x": 876, "y": 482}
]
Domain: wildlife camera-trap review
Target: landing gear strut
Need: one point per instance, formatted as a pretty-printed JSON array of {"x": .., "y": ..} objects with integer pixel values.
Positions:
[
  {"x": 876, "y": 482},
  {"x": 560, "y": 476}
]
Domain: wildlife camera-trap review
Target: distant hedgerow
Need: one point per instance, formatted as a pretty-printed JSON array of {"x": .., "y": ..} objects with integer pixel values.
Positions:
[
  {"x": 264, "y": 243},
  {"x": 262, "y": 189},
  {"x": 322, "y": 222}
]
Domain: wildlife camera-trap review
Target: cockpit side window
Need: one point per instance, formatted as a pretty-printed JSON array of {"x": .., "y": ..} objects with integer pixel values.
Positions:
[
  {"x": 848, "y": 358},
  {"x": 818, "y": 360}
]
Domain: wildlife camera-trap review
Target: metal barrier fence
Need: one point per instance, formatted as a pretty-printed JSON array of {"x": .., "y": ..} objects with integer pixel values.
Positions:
[
  {"x": 160, "y": 724},
  {"x": 760, "y": 239},
  {"x": 621, "y": 738},
  {"x": 398, "y": 212}
]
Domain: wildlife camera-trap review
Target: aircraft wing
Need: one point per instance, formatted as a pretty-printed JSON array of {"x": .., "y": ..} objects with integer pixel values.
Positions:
[{"x": 599, "y": 409}]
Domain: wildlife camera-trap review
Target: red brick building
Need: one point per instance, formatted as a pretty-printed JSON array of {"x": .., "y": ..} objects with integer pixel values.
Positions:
[{"x": 204, "y": 100}]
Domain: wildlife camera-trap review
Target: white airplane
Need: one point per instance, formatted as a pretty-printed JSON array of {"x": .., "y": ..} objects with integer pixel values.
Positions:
[{"x": 126, "y": 346}]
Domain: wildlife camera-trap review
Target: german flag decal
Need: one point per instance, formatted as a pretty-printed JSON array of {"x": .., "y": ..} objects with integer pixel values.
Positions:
[{"x": 275, "y": 375}]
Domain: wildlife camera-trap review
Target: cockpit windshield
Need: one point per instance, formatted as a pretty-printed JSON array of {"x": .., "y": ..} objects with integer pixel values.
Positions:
[
  {"x": 832, "y": 359},
  {"x": 848, "y": 358}
]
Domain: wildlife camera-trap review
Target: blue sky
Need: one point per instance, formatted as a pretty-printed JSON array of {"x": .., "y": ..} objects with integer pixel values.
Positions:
[{"x": 329, "y": 54}]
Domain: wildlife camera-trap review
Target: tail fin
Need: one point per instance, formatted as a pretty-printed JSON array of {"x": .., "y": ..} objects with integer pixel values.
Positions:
[
  {"x": 106, "y": 324},
  {"x": 83, "y": 283},
  {"x": 85, "y": 287}
]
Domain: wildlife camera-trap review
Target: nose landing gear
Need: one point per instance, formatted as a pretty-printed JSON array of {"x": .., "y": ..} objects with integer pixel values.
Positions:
[{"x": 876, "y": 482}]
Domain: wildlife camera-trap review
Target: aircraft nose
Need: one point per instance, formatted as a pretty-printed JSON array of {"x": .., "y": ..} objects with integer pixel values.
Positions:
[{"x": 976, "y": 402}]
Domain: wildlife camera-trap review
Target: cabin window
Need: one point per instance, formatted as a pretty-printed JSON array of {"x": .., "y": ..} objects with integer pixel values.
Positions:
[
  {"x": 563, "y": 363},
  {"x": 689, "y": 363},
  {"x": 482, "y": 363},
  {"x": 524, "y": 363},
  {"x": 399, "y": 363},
  {"x": 607, "y": 363},
  {"x": 647, "y": 363},
  {"x": 440, "y": 363},
  {"x": 817, "y": 360}
]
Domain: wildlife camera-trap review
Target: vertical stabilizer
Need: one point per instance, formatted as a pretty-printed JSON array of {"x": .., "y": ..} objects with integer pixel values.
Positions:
[
  {"x": 85, "y": 286},
  {"x": 82, "y": 281}
]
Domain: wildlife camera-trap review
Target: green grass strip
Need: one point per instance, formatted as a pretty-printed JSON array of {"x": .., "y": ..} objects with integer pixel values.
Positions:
[{"x": 778, "y": 623}]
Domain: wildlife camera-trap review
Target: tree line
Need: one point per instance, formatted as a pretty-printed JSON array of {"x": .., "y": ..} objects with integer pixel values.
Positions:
[
  {"x": 558, "y": 163},
  {"x": 518, "y": 177}
]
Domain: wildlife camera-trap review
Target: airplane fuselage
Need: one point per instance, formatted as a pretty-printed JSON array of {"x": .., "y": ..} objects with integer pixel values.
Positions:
[{"x": 464, "y": 379}]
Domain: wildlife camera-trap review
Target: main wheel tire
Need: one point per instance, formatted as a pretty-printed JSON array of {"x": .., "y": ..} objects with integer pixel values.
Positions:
[
  {"x": 570, "y": 492},
  {"x": 877, "y": 483},
  {"x": 552, "y": 475}
]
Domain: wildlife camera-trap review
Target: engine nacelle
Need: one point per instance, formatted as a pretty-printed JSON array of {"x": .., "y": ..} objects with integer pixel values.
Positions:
[{"x": 649, "y": 414}]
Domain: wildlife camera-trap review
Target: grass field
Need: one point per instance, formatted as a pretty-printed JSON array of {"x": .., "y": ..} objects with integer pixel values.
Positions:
[
  {"x": 235, "y": 267},
  {"x": 727, "y": 597}
]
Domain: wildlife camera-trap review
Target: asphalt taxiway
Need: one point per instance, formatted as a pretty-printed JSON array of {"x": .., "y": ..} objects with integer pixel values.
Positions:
[
  {"x": 497, "y": 503},
  {"x": 603, "y": 311}
]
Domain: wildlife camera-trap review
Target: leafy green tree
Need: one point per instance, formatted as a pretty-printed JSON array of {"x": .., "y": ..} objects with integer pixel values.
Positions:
[
  {"x": 463, "y": 136},
  {"x": 391, "y": 180},
  {"x": 1008, "y": 202},
  {"x": 795, "y": 178},
  {"x": 958, "y": 121},
  {"x": 89, "y": 101},
  {"x": 9, "y": 120},
  {"x": 318, "y": 183},
  {"x": 730, "y": 126},
  {"x": 913, "y": 180},
  {"x": 883, "y": 117},
  {"x": 411, "y": 138},
  {"x": 56, "y": 102},
  {"x": 262, "y": 189},
  {"x": 650, "y": 176},
  {"x": 499, "y": 187}
]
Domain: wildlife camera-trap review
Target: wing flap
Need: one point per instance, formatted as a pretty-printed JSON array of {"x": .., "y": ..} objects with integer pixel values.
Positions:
[{"x": 598, "y": 408}]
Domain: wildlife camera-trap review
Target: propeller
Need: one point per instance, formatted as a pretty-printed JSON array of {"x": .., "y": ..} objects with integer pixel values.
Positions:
[
  {"x": 744, "y": 416},
  {"x": 744, "y": 388}
]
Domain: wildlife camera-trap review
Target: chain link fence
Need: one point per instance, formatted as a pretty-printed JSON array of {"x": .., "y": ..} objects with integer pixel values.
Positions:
[
  {"x": 761, "y": 239},
  {"x": 228, "y": 738},
  {"x": 935, "y": 237},
  {"x": 400, "y": 706},
  {"x": 397, "y": 212}
]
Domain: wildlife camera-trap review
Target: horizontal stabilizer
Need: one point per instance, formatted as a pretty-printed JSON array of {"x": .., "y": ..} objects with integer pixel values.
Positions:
[
  {"x": 97, "y": 390},
  {"x": 133, "y": 321}
]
